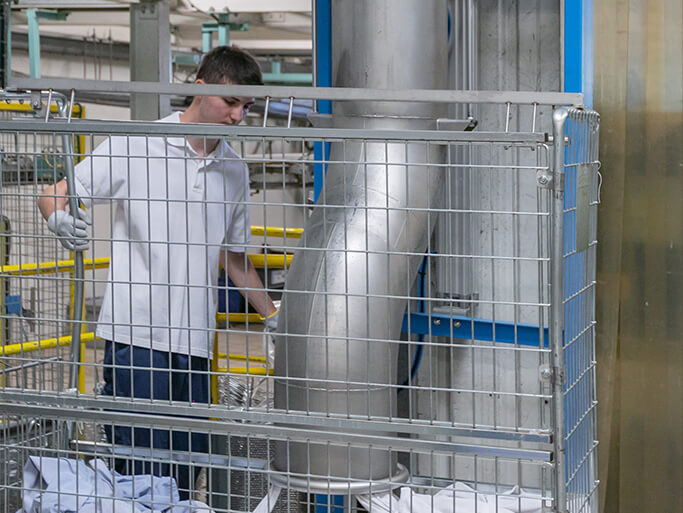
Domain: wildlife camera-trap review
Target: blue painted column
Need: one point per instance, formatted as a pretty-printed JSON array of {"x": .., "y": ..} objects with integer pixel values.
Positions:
[
  {"x": 323, "y": 59},
  {"x": 321, "y": 153},
  {"x": 578, "y": 48},
  {"x": 578, "y": 78}
]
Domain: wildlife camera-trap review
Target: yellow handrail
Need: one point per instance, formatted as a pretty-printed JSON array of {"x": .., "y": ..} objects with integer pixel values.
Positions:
[
  {"x": 271, "y": 261},
  {"x": 51, "y": 343},
  {"x": 65, "y": 266},
  {"x": 25, "y": 107},
  {"x": 239, "y": 317},
  {"x": 37, "y": 345},
  {"x": 251, "y": 371},
  {"x": 277, "y": 231},
  {"x": 243, "y": 357},
  {"x": 60, "y": 266}
]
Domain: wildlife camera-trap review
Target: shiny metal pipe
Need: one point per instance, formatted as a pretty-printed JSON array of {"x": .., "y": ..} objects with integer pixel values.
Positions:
[{"x": 348, "y": 280}]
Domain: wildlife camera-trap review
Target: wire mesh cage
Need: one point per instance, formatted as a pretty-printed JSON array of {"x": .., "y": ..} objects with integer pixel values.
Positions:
[
  {"x": 435, "y": 343},
  {"x": 34, "y": 306}
]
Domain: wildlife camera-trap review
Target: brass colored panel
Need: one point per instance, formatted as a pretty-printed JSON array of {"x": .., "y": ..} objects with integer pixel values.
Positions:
[{"x": 639, "y": 94}]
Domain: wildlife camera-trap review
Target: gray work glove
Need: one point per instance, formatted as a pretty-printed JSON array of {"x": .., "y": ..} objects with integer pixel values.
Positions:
[
  {"x": 271, "y": 322},
  {"x": 71, "y": 232},
  {"x": 268, "y": 339}
]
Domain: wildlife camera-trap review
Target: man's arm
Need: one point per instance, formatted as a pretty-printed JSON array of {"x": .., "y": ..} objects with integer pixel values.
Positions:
[
  {"x": 53, "y": 198},
  {"x": 243, "y": 274}
]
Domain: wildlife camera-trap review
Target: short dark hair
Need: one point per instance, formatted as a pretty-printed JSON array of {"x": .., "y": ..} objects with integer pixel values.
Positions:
[{"x": 229, "y": 64}]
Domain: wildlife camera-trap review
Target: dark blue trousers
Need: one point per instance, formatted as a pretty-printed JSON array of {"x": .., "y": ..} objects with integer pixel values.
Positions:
[{"x": 163, "y": 376}]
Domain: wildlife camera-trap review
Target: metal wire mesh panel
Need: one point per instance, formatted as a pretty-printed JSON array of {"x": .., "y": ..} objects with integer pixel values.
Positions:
[
  {"x": 378, "y": 377},
  {"x": 579, "y": 247},
  {"x": 33, "y": 306}
]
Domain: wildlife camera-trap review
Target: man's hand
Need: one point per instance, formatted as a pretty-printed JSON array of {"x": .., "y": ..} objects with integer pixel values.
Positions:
[
  {"x": 271, "y": 321},
  {"x": 270, "y": 325},
  {"x": 72, "y": 232}
]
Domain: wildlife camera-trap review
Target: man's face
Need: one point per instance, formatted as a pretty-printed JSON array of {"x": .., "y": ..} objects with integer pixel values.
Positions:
[{"x": 229, "y": 110}]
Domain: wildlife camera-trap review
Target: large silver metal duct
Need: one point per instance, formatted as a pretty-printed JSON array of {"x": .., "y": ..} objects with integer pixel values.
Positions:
[{"x": 345, "y": 288}]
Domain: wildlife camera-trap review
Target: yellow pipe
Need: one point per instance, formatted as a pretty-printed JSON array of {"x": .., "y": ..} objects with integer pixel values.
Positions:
[
  {"x": 251, "y": 371},
  {"x": 25, "y": 107},
  {"x": 214, "y": 370},
  {"x": 61, "y": 266},
  {"x": 271, "y": 261},
  {"x": 242, "y": 357},
  {"x": 277, "y": 231},
  {"x": 239, "y": 317},
  {"x": 48, "y": 343},
  {"x": 81, "y": 369}
]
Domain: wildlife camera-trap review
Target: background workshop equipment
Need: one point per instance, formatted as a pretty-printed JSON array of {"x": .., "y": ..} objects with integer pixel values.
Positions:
[{"x": 428, "y": 183}]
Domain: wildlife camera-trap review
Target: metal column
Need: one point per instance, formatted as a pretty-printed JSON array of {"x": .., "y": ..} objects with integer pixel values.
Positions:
[
  {"x": 557, "y": 310},
  {"x": 150, "y": 57},
  {"x": 5, "y": 44}
]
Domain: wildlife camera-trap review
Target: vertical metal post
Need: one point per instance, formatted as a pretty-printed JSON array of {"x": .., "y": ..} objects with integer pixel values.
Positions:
[
  {"x": 557, "y": 310},
  {"x": 33, "y": 43},
  {"x": 150, "y": 56},
  {"x": 322, "y": 35},
  {"x": 5, "y": 44},
  {"x": 578, "y": 48},
  {"x": 223, "y": 29},
  {"x": 207, "y": 34}
]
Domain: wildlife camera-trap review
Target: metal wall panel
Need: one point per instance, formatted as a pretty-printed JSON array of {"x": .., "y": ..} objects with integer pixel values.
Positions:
[{"x": 638, "y": 90}]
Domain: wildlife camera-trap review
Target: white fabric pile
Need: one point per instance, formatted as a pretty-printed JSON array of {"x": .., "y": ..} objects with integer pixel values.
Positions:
[
  {"x": 458, "y": 498},
  {"x": 62, "y": 485}
]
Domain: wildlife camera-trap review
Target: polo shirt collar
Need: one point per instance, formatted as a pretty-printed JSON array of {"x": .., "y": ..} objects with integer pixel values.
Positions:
[{"x": 182, "y": 144}]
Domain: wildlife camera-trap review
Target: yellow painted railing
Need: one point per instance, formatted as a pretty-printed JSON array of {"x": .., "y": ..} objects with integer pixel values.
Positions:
[
  {"x": 51, "y": 343},
  {"x": 251, "y": 371},
  {"x": 239, "y": 318},
  {"x": 271, "y": 261},
  {"x": 277, "y": 231},
  {"x": 41, "y": 345},
  {"x": 62, "y": 266}
]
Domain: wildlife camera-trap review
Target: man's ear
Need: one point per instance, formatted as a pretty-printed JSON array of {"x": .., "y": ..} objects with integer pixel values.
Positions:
[{"x": 197, "y": 99}]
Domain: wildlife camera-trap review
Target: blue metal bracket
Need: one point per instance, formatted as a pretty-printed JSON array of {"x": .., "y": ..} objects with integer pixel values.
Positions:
[
  {"x": 329, "y": 503},
  {"x": 468, "y": 328},
  {"x": 223, "y": 26},
  {"x": 278, "y": 77}
]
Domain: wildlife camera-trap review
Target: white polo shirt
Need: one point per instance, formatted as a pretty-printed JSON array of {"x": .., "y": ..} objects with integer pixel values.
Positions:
[{"x": 172, "y": 212}]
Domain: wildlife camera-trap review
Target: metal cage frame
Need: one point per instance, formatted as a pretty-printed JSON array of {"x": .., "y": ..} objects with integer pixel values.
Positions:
[{"x": 558, "y": 445}]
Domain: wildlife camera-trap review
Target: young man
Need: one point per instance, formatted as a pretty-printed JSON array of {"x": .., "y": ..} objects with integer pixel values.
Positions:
[{"x": 179, "y": 207}]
